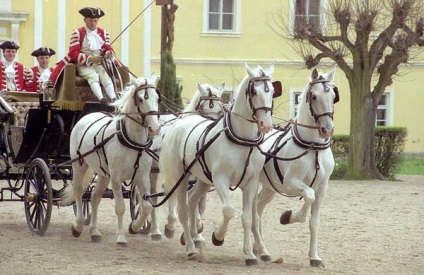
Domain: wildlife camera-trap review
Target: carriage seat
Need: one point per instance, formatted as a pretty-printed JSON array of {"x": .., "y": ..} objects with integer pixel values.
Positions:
[
  {"x": 16, "y": 106},
  {"x": 74, "y": 87},
  {"x": 21, "y": 111}
]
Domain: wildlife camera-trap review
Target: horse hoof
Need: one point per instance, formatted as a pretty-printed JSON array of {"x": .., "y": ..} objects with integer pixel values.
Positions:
[
  {"x": 285, "y": 217},
  {"x": 169, "y": 233},
  {"x": 266, "y": 258},
  {"x": 200, "y": 229},
  {"x": 250, "y": 262},
  {"x": 193, "y": 256},
  {"x": 215, "y": 241},
  {"x": 145, "y": 230},
  {"x": 75, "y": 233},
  {"x": 156, "y": 237},
  {"x": 130, "y": 230},
  {"x": 96, "y": 239},
  {"x": 182, "y": 239},
  {"x": 121, "y": 244},
  {"x": 316, "y": 263}
]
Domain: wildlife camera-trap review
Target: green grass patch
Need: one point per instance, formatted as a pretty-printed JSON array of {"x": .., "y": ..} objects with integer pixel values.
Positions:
[{"x": 411, "y": 166}]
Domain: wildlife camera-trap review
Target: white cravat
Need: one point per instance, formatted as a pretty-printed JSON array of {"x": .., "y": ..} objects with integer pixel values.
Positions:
[
  {"x": 94, "y": 40},
  {"x": 10, "y": 70},
  {"x": 45, "y": 74}
]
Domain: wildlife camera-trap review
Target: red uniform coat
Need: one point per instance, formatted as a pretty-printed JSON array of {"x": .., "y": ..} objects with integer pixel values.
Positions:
[
  {"x": 23, "y": 77},
  {"x": 75, "y": 55}
]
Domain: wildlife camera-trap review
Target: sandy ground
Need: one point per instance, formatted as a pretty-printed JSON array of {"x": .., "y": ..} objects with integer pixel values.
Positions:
[{"x": 367, "y": 227}]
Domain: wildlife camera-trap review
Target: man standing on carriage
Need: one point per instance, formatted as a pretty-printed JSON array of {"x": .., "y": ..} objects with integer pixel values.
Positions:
[
  {"x": 41, "y": 72},
  {"x": 88, "y": 46},
  {"x": 14, "y": 75}
]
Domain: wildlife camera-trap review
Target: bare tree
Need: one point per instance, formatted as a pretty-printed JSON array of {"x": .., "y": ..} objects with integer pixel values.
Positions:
[{"x": 368, "y": 40}]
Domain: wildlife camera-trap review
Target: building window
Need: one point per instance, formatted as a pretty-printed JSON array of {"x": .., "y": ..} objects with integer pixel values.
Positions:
[
  {"x": 221, "y": 17},
  {"x": 309, "y": 13},
  {"x": 227, "y": 96},
  {"x": 294, "y": 102},
  {"x": 384, "y": 110}
]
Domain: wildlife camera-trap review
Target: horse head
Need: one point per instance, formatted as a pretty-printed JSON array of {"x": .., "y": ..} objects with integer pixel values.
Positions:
[
  {"x": 208, "y": 100},
  {"x": 142, "y": 98},
  {"x": 259, "y": 92},
  {"x": 320, "y": 95}
]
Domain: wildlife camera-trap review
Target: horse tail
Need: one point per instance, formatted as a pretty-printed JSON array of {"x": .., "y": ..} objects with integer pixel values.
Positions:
[{"x": 67, "y": 195}]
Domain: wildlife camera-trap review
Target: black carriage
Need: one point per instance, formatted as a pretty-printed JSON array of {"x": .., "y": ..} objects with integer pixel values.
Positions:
[{"x": 34, "y": 149}]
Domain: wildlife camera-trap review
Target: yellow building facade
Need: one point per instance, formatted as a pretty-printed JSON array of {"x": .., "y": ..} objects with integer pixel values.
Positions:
[{"x": 213, "y": 40}]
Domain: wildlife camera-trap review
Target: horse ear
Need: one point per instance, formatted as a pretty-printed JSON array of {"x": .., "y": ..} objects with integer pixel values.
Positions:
[
  {"x": 249, "y": 70},
  {"x": 270, "y": 70},
  {"x": 200, "y": 89},
  {"x": 221, "y": 89},
  {"x": 153, "y": 77},
  {"x": 331, "y": 75},
  {"x": 314, "y": 74},
  {"x": 134, "y": 81}
]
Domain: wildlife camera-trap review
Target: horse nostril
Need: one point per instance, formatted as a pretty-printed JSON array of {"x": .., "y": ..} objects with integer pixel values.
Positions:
[{"x": 323, "y": 130}]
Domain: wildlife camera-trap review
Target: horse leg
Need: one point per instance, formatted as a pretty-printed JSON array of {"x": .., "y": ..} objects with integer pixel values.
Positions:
[
  {"x": 227, "y": 212},
  {"x": 145, "y": 207},
  {"x": 299, "y": 216},
  {"x": 265, "y": 196},
  {"x": 200, "y": 209},
  {"x": 96, "y": 197},
  {"x": 248, "y": 219},
  {"x": 258, "y": 245},
  {"x": 181, "y": 193},
  {"x": 196, "y": 195},
  {"x": 172, "y": 218},
  {"x": 155, "y": 232},
  {"x": 79, "y": 172},
  {"x": 119, "y": 210},
  {"x": 314, "y": 259}
]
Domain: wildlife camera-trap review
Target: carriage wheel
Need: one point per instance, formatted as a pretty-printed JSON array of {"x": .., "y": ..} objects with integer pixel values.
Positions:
[
  {"x": 38, "y": 197},
  {"x": 86, "y": 211},
  {"x": 135, "y": 210}
]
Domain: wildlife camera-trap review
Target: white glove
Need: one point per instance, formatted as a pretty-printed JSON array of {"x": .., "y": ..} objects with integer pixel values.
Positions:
[{"x": 108, "y": 54}]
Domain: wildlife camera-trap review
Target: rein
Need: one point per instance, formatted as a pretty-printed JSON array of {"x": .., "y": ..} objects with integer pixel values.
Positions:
[{"x": 133, "y": 21}]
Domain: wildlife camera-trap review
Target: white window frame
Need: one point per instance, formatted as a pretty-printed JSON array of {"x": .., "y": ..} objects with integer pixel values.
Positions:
[
  {"x": 235, "y": 32},
  {"x": 389, "y": 107},
  {"x": 292, "y": 100},
  {"x": 323, "y": 16}
]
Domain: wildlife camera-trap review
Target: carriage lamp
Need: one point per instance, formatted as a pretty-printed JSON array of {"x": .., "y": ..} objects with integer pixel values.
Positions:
[{"x": 49, "y": 94}]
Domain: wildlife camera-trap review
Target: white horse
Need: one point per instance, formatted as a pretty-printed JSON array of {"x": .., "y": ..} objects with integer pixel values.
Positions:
[
  {"x": 206, "y": 102},
  {"x": 224, "y": 153},
  {"x": 116, "y": 148},
  {"x": 300, "y": 160}
]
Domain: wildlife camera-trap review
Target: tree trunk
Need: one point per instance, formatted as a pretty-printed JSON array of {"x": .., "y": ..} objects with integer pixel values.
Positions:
[{"x": 361, "y": 142}]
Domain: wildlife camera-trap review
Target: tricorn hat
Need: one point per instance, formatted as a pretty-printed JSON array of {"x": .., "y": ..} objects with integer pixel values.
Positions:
[
  {"x": 9, "y": 45},
  {"x": 43, "y": 51},
  {"x": 91, "y": 12}
]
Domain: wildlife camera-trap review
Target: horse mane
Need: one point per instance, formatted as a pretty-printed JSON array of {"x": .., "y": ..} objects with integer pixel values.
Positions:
[
  {"x": 127, "y": 94},
  {"x": 191, "y": 107}
]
